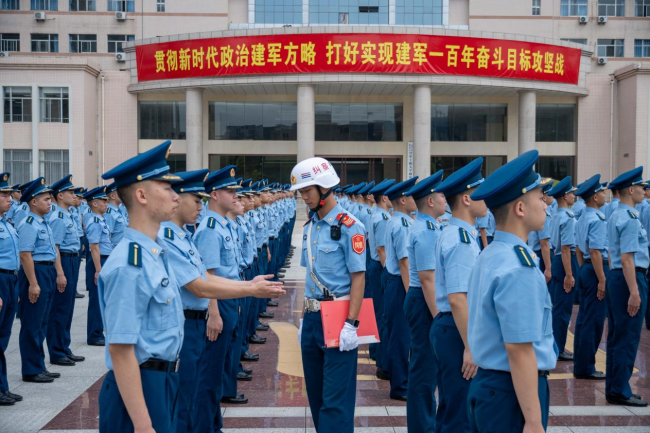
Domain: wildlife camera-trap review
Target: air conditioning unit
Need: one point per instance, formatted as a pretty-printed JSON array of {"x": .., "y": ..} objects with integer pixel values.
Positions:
[
  {"x": 602, "y": 20},
  {"x": 602, "y": 61},
  {"x": 4, "y": 54},
  {"x": 39, "y": 16},
  {"x": 583, "y": 19},
  {"x": 120, "y": 57},
  {"x": 120, "y": 16}
]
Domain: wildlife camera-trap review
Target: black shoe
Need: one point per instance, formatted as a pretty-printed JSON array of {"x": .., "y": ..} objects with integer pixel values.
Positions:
[
  {"x": 76, "y": 358},
  {"x": 98, "y": 343},
  {"x": 244, "y": 377},
  {"x": 37, "y": 378},
  {"x": 250, "y": 357},
  {"x": 382, "y": 374},
  {"x": 256, "y": 339},
  {"x": 633, "y": 401},
  {"x": 398, "y": 398},
  {"x": 64, "y": 362},
  {"x": 5, "y": 400},
  {"x": 79, "y": 295},
  {"x": 271, "y": 304},
  {"x": 262, "y": 327},
  {"x": 266, "y": 315},
  {"x": 240, "y": 399},
  {"x": 52, "y": 375},
  {"x": 565, "y": 356},
  {"x": 14, "y": 396},
  {"x": 280, "y": 275},
  {"x": 248, "y": 370},
  {"x": 597, "y": 375}
]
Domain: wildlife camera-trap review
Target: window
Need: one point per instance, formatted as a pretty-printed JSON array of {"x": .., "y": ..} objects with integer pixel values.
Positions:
[
  {"x": 369, "y": 9},
  {"x": 279, "y": 11},
  {"x": 449, "y": 164},
  {"x": 253, "y": 121},
  {"x": 610, "y": 48},
  {"x": 121, "y": 5},
  {"x": 469, "y": 122},
  {"x": 18, "y": 104},
  {"x": 45, "y": 5},
  {"x": 53, "y": 164},
  {"x": 83, "y": 5},
  {"x": 55, "y": 105},
  {"x": 19, "y": 164},
  {"x": 275, "y": 168},
  {"x": 537, "y": 7},
  {"x": 10, "y": 5},
  {"x": 9, "y": 42},
  {"x": 642, "y": 48},
  {"x": 556, "y": 167},
  {"x": 162, "y": 120},
  {"x": 83, "y": 43},
  {"x": 611, "y": 8},
  {"x": 344, "y": 12},
  {"x": 573, "y": 8},
  {"x": 642, "y": 8},
  {"x": 44, "y": 43},
  {"x": 160, "y": 5},
  {"x": 418, "y": 12},
  {"x": 177, "y": 162},
  {"x": 577, "y": 41},
  {"x": 358, "y": 122},
  {"x": 555, "y": 122},
  {"x": 115, "y": 42}
]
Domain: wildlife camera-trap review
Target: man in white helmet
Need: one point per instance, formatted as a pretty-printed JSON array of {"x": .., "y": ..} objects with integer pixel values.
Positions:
[{"x": 334, "y": 252}]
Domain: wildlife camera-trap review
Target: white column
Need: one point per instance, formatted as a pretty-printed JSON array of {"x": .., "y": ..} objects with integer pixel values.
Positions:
[
  {"x": 422, "y": 131},
  {"x": 36, "y": 120},
  {"x": 306, "y": 122},
  {"x": 194, "y": 121},
  {"x": 527, "y": 110}
]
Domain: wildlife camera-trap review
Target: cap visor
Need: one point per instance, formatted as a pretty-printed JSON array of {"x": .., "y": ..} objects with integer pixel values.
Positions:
[{"x": 165, "y": 178}]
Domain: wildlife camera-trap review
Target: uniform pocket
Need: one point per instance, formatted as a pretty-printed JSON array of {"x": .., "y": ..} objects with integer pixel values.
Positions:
[
  {"x": 227, "y": 256},
  {"x": 330, "y": 257},
  {"x": 161, "y": 309},
  {"x": 547, "y": 324}
]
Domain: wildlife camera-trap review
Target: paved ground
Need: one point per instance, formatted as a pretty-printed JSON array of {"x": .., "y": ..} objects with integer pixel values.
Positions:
[{"x": 278, "y": 402}]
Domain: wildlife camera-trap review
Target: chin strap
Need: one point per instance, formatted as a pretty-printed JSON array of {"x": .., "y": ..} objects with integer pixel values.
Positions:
[{"x": 321, "y": 201}]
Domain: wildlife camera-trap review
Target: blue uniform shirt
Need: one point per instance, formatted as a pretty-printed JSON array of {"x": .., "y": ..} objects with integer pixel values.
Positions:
[
  {"x": 185, "y": 260},
  {"x": 217, "y": 245},
  {"x": 333, "y": 261},
  {"x": 140, "y": 301},
  {"x": 20, "y": 214},
  {"x": 591, "y": 232},
  {"x": 578, "y": 208},
  {"x": 610, "y": 207},
  {"x": 65, "y": 232},
  {"x": 9, "y": 256},
  {"x": 76, "y": 216},
  {"x": 397, "y": 235},
  {"x": 36, "y": 237},
  {"x": 379, "y": 223},
  {"x": 627, "y": 235},
  {"x": 260, "y": 227},
  {"x": 97, "y": 232},
  {"x": 563, "y": 230},
  {"x": 508, "y": 303},
  {"x": 488, "y": 223},
  {"x": 115, "y": 222},
  {"x": 423, "y": 237},
  {"x": 535, "y": 237},
  {"x": 12, "y": 210},
  {"x": 455, "y": 254}
]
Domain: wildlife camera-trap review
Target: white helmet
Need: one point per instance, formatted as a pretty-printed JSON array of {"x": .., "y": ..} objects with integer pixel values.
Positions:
[{"x": 313, "y": 171}]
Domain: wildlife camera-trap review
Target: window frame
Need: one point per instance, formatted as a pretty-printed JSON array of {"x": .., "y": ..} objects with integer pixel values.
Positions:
[
  {"x": 119, "y": 44},
  {"x": 537, "y": 8},
  {"x": 52, "y": 171},
  {"x": 10, "y": 116},
  {"x": 20, "y": 169},
  {"x": 120, "y": 6},
  {"x": 618, "y": 44},
  {"x": 642, "y": 8},
  {"x": 459, "y": 122},
  {"x": 83, "y": 43},
  {"x": 573, "y": 8},
  {"x": 160, "y": 5},
  {"x": 49, "y": 5},
  {"x": 643, "y": 45},
  {"x": 557, "y": 130},
  {"x": 73, "y": 5},
  {"x": 10, "y": 45},
  {"x": 52, "y": 42},
  {"x": 618, "y": 8},
  {"x": 47, "y": 102},
  {"x": 10, "y": 5},
  {"x": 178, "y": 128}
]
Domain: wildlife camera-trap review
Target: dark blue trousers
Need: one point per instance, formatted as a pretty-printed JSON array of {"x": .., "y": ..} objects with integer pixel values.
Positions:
[
  {"x": 423, "y": 368},
  {"x": 452, "y": 387},
  {"x": 58, "y": 329},
  {"x": 191, "y": 355},
  {"x": 397, "y": 362},
  {"x": 231, "y": 368},
  {"x": 160, "y": 394},
  {"x": 590, "y": 322},
  {"x": 562, "y": 301},
  {"x": 207, "y": 406},
  {"x": 9, "y": 296},
  {"x": 493, "y": 404},
  {"x": 623, "y": 332},
  {"x": 34, "y": 318},
  {"x": 373, "y": 282},
  {"x": 95, "y": 326},
  {"x": 330, "y": 378},
  {"x": 381, "y": 324}
]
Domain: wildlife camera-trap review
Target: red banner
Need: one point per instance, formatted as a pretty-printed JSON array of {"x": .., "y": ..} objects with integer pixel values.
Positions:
[{"x": 357, "y": 53}]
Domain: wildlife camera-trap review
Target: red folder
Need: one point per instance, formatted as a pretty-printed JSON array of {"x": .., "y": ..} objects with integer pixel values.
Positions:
[{"x": 333, "y": 315}]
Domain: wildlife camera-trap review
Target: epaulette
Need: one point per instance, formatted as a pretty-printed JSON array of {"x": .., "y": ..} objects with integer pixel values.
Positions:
[
  {"x": 369, "y": 211},
  {"x": 430, "y": 225},
  {"x": 405, "y": 223},
  {"x": 238, "y": 220},
  {"x": 601, "y": 216},
  {"x": 464, "y": 236},
  {"x": 385, "y": 216},
  {"x": 345, "y": 219},
  {"x": 524, "y": 257},
  {"x": 211, "y": 222},
  {"x": 109, "y": 210},
  {"x": 169, "y": 233},
  {"x": 30, "y": 219},
  {"x": 570, "y": 214},
  {"x": 61, "y": 215},
  {"x": 96, "y": 219},
  {"x": 632, "y": 214},
  {"x": 135, "y": 255}
]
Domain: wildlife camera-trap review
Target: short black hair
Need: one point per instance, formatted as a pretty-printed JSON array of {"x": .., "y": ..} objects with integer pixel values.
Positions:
[
  {"x": 126, "y": 195},
  {"x": 422, "y": 202}
]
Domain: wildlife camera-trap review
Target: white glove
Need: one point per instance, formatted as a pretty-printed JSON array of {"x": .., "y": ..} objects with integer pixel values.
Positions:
[
  {"x": 348, "y": 339},
  {"x": 300, "y": 333}
]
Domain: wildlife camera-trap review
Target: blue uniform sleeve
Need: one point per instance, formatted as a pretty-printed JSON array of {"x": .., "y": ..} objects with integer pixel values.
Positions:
[
  {"x": 380, "y": 232},
  {"x": 482, "y": 222},
  {"x": 126, "y": 302},
  {"x": 209, "y": 246},
  {"x": 520, "y": 310},
  {"x": 184, "y": 270},
  {"x": 459, "y": 261},
  {"x": 597, "y": 237},
  {"x": 568, "y": 232},
  {"x": 355, "y": 262},
  {"x": 629, "y": 231},
  {"x": 93, "y": 232},
  {"x": 424, "y": 249},
  {"x": 58, "y": 229},
  {"x": 545, "y": 232},
  {"x": 401, "y": 241},
  {"x": 27, "y": 237}
]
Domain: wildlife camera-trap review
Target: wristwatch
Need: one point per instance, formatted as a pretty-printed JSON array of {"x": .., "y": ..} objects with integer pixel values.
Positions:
[{"x": 352, "y": 322}]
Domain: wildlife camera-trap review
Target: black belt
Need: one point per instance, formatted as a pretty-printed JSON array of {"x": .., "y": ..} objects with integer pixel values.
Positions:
[
  {"x": 444, "y": 313},
  {"x": 103, "y": 256},
  {"x": 195, "y": 314},
  {"x": 44, "y": 263},
  {"x": 259, "y": 250},
  {"x": 255, "y": 259},
  {"x": 66, "y": 254},
  {"x": 542, "y": 373},
  {"x": 158, "y": 365},
  {"x": 272, "y": 238},
  {"x": 642, "y": 270},
  {"x": 605, "y": 262},
  {"x": 6, "y": 271}
]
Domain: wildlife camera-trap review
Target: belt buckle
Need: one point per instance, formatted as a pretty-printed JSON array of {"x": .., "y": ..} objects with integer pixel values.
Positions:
[
  {"x": 178, "y": 364},
  {"x": 312, "y": 305}
]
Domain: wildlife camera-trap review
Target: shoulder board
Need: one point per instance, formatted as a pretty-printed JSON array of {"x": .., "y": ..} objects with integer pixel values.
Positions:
[
  {"x": 61, "y": 215},
  {"x": 346, "y": 220},
  {"x": 135, "y": 255},
  {"x": 238, "y": 221},
  {"x": 369, "y": 211},
  {"x": 385, "y": 216},
  {"x": 405, "y": 223},
  {"x": 169, "y": 233},
  {"x": 430, "y": 225},
  {"x": 30, "y": 219},
  {"x": 601, "y": 216},
  {"x": 24, "y": 207},
  {"x": 211, "y": 222},
  {"x": 570, "y": 214},
  {"x": 632, "y": 214},
  {"x": 96, "y": 219},
  {"x": 524, "y": 257},
  {"x": 360, "y": 207},
  {"x": 464, "y": 236},
  {"x": 109, "y": 210}
]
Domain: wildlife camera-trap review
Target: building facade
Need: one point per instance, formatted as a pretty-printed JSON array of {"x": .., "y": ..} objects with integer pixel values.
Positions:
[{"x": 89, "y": 83}]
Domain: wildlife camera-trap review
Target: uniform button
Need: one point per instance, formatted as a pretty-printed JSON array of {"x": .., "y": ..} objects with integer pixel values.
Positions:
[
  {"x": 491, "y": 392},
  {"x": 313, "y": 258},
  {"x": 326, "y": 250},
  {"x": 168, "y": 300},
  {"x": 317, "y": 227}
]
